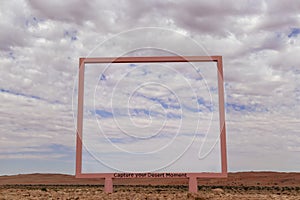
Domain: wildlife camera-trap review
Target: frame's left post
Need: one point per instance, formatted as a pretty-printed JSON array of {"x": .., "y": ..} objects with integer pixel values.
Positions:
[
  {"x": 79, "y": 117},
  {"x": 193, "y": 184},
  {"x": 108, "y": 185}
]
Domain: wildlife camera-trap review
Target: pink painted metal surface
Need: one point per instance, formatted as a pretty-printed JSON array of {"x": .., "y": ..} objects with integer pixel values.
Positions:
[
  {"x": 193, "y": 186},
  {"x": 79, "y": 118},
  {"x": 108, "y": 185}
]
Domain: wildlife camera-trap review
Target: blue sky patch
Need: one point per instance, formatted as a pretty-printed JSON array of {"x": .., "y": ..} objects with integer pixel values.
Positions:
[
  {"x": 59, "y": 148},
  {"x": 243, "y": 108},
  {"x": 51, "y": 149},
  {"x": 207, "y": 105},
  {"x": 11, "y": 55},
  {"x": 132, "y": 65},
  {"x": 20, "y": 94},
  {"x": 103, "y": 77},
  {"x": 137, "y": 112},
  {"x": 173, "y": 116},
  {"x": 104, "y": 114},
  {"x": 171, "y": 104},
  {"x": 32, "y": 21},
  {"x": 71, "y": 34},
  {"x": 294, "y": 32}
]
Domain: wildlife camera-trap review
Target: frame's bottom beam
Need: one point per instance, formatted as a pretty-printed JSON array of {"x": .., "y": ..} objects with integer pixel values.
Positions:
[{"x": 108, "y": 178}]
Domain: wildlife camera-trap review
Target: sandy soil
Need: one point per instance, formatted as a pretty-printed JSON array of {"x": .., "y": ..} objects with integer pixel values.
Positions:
[
  {"x": 145, "y": 192},
  {"x": 243, "y": 185}
]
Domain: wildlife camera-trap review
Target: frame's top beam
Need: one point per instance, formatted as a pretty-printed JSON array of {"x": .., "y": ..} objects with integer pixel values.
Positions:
[{"x": 151, "y": 59}]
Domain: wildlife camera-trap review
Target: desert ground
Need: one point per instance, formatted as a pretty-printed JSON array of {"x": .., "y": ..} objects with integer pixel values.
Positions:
[{"x": 242, "y": 185}]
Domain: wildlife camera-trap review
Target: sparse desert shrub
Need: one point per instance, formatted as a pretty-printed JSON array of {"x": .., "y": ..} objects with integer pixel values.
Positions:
[
  {"x": 258, "y": 188},
  {"x": 199, "y": 198}
]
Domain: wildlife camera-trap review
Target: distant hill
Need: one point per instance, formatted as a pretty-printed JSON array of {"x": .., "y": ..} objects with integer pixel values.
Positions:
[{"x": 234, "y": 179}]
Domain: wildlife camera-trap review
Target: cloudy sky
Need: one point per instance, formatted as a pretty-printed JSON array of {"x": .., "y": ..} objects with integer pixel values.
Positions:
[{"x": 149, "y": 116}]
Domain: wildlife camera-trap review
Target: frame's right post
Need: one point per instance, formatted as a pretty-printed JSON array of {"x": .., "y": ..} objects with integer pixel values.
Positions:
[
  {"x": 193, "y": 185},
  {"x": 222, "y": 116}
]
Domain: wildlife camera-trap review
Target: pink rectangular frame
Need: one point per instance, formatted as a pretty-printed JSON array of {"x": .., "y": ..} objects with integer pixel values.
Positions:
[{"x": 193, "y": 186}]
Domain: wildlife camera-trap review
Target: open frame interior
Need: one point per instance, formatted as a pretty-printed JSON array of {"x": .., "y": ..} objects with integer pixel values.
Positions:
[{"x": 191, "y": 176}]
